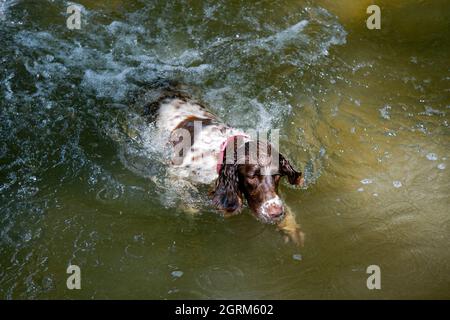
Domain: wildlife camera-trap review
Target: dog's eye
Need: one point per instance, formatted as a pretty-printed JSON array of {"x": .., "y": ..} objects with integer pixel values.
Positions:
[{"x": 253, "y": 175}]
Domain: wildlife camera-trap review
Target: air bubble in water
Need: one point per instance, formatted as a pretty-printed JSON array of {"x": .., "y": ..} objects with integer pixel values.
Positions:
[
  {"x": 177, "y": 274},
  {"x": 432, "y": 156},
  {"x": 297, "y": 257},
  {"x": 385, "y": 112},
  {"x": 397, "y": 184}
]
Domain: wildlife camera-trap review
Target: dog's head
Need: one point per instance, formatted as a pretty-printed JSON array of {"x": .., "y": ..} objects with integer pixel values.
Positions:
[{"x": 254, "y": 172}]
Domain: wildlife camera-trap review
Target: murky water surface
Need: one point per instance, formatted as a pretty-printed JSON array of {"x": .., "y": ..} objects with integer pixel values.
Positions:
[{"x": 364, "y": 113}]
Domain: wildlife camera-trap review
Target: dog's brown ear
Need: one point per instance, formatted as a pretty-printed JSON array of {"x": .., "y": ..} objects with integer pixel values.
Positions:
[
  {"x": 286, "y": 169},
  {"x": 227, "y": 195}
]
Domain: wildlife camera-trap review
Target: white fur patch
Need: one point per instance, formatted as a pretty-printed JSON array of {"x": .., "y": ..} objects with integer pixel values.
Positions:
[
  {"x": 173, "y": 113},
  {"x": 200, "y": 162},
  {"x": 275, "y": 201}
]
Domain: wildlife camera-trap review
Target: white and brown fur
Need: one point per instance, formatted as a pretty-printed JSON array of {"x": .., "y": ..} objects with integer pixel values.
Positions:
[{"x": 170, "y": 108}]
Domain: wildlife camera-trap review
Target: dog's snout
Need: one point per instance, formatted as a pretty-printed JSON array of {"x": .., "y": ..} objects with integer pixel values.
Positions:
[
  {"x": 276, "y": 211},
  {"x": 273, "y": 208}
]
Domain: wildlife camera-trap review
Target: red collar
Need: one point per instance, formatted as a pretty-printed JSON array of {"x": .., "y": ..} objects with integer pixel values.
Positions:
[{"x": 223, "y": 147}]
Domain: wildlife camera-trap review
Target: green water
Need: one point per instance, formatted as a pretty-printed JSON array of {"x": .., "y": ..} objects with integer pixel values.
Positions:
[{"x": 364, "y": 113}]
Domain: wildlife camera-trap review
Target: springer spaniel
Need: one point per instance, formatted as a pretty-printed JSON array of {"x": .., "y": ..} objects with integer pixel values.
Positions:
[{"x": 207, "y": 151}]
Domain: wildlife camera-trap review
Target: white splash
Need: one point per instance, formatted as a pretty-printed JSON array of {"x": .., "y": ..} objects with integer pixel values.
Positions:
[
  {"x": 289, "y": 34},
  {"x": 5, "y": 5}
]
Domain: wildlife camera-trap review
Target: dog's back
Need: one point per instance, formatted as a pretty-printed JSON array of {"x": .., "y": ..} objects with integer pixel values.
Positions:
[{"x": 176, "y": 113}]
